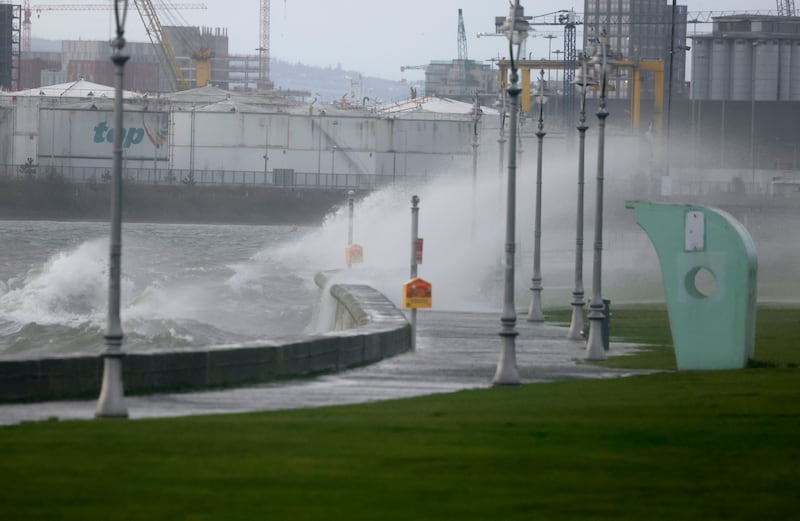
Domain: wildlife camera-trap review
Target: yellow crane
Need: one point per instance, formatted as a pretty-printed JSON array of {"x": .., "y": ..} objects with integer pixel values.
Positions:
[
  {"x": 166, "y": 55},
  {"x": 655, "y": 66},
  {"x": 28, "y": 10}
]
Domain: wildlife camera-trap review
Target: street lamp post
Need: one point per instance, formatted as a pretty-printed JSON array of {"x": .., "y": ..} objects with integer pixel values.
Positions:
[
  {"x": 501, "y": 141},
  {"x": 583, "y": 82},
  {"x": 595, "y": 346},
  {"x": 516, "y": 28},
  {"x": 112, "y": 396},
  {"x": 535, "y": 313},
  {"x": 476, "y": 118},
  {"x": 350, "y": 204}
]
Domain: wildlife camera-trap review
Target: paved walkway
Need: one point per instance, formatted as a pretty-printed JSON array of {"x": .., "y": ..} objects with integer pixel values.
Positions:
[{"x": 454, "y": 351}]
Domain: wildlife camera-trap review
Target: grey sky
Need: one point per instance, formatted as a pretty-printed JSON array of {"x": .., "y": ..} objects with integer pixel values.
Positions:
[{"x": 371, "y": 36}]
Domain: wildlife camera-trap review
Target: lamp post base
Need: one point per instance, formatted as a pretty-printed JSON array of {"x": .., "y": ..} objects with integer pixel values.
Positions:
[
  {"x": 535, "y": 313},
  {"x": 576, "y": 323},
  {"x": 507, "y": 372},
  {"x": 595, "y": 348},
  {"x": 112, "y": 398}
]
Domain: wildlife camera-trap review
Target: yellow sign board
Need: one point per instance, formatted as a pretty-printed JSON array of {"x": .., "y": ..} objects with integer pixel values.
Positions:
[
  {"x": 353, "y": 254},
  {"x": 417, "y": 293}
]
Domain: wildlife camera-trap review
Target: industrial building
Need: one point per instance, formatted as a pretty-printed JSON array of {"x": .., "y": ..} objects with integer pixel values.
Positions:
[
  {"x": 460, "y": 79},
  {"x": 639, "y": 30},
  {"x": 9, "y": 46},
  {"x": 210, "y": 136},
  {"x": 748, "y": 57}
]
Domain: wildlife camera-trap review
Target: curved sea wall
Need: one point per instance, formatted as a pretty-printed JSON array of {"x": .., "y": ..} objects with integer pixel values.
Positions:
[{"x": 367, "y": 328}]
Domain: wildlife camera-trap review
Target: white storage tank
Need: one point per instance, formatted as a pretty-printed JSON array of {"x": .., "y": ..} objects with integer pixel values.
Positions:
[
  {"x": 700, "y": 68},
  {"x": 784, "y": 76},
  {"x": 741, "y": 70},
  {"x": 794, "y": 73},
  {"x": 720, "y": 70},
  {"x": 765, "y": 61}
]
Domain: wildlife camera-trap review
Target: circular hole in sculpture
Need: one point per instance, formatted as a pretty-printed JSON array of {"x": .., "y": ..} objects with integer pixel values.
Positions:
[{"x": 705, "y": 283}]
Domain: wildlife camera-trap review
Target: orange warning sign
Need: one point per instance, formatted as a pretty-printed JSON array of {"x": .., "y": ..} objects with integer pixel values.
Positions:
[
  {"x": 353, "y": 254},
  {"x": 417, "y": 293}
]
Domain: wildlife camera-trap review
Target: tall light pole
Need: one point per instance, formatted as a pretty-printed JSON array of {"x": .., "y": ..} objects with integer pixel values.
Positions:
[
  {"x": 583, "y": 82},
  {"x": 414, "y": 237},
  {"x": 476, "y": 118},
  {"x": 535, "y": 313},
  {"x": 595, "y": 346},
  {"x": 669, "y": 87},
  {"x": 350, "y": 204},
  {"x": 111, "y": 403},
  {"x": 516, "y": 28},
  {"x": 501, "y": 141}
]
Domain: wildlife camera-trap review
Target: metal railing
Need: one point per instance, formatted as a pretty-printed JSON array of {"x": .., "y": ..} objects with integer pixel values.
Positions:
[{"x": 284, "y": 178}]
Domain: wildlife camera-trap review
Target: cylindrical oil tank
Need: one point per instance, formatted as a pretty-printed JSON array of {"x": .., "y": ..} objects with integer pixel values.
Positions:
[
  {"x": 741, "y": 70},
  {"x": 700, "y": 68},
  {"x": 794, "y": 73},
  {"x": 765, "y": 62},
  {"x": 784, "y": 76},
  {"x": 720, "y": 69}
]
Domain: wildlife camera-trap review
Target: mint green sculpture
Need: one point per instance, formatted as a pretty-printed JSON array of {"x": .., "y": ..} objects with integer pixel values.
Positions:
[{"x": 709, "y": 266}]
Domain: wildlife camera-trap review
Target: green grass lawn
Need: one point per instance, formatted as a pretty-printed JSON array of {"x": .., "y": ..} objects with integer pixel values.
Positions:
[{"x": 694, "y": 445}]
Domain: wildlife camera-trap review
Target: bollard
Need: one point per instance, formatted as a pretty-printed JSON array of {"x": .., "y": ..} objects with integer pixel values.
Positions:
[
  {"x": 414, "y": 237},
  {"x": 606, "y": 324}
]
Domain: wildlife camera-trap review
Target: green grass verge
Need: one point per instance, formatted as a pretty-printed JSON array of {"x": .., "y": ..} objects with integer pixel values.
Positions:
[
  {"x": 694, "y": 445},
  {"x": 777, "y": 336}
]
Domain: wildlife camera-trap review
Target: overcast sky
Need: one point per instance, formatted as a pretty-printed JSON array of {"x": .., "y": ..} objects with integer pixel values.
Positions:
[{"x": 374, "y": 37}]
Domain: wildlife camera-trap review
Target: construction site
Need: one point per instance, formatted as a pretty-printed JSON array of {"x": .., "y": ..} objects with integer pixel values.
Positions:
[{"x": 196, "y": 113}]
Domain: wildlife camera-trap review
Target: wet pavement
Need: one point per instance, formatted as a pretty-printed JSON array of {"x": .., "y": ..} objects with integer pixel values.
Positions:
[{"x": 455, "y": 351}]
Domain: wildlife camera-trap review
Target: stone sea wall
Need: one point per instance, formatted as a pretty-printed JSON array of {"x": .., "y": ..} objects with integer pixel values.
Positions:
[{"x": 367, "y": 328}]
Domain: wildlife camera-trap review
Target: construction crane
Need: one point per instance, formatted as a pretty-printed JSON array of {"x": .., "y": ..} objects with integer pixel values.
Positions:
[
  {"x": 786, "y": 8},
  {"x": 28, "y": 10},
  {"x": 166, "y": 55},
  {"x": 463, "y": 57},
  {"x": 263, "y": 47},
  {"x": 404, "y": 68},
  {"x": 462, "y": 37},
  {"x": 570, "y": 20}
]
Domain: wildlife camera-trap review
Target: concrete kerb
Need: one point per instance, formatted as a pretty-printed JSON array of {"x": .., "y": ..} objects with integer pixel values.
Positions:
[{"x": 367, "y": 328}]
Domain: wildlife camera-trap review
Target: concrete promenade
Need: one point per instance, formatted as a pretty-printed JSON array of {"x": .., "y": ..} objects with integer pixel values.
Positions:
[{"x": 455, "y": 351}]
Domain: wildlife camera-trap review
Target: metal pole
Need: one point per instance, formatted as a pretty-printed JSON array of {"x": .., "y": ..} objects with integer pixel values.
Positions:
[
  {"x": 535, "y": 313},
  {"x": 576, "y": 323},
  {"x": 414, "y": 236},
  {"x": 501, "y": 141},
  {"x": 112, "y": 397},
  {"x": 669, "y": 85},
  {"x": 475, "y": 119},
  {"x": 595, "y": 347},
  {"x": 350, "y": 202},
  {"x": 507, "y": 372}
]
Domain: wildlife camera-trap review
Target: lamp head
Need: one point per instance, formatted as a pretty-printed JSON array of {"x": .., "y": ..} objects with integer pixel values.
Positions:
[
  {"x": 516, "y": 26},
  {"x": 584, "y": 80}
]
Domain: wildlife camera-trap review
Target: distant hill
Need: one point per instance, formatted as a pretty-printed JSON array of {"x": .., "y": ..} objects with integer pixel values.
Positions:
[
  {"x": 325, "y": 83},
  {"x": 331, "y": 83}
]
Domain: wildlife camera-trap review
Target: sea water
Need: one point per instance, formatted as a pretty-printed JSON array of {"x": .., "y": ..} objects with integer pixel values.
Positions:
[{"x": 183, "y": 286}]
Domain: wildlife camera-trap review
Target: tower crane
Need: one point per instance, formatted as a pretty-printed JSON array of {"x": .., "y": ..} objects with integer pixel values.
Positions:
[
  {"x": 786, "y": 8},
  {"x": 462, "y": 52},
  {"x": 263, "y": 47},
  {"x": 404, "y": 68},
  {"x": 28, "y": 10},
  {"x": 166, "y": 55}
]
